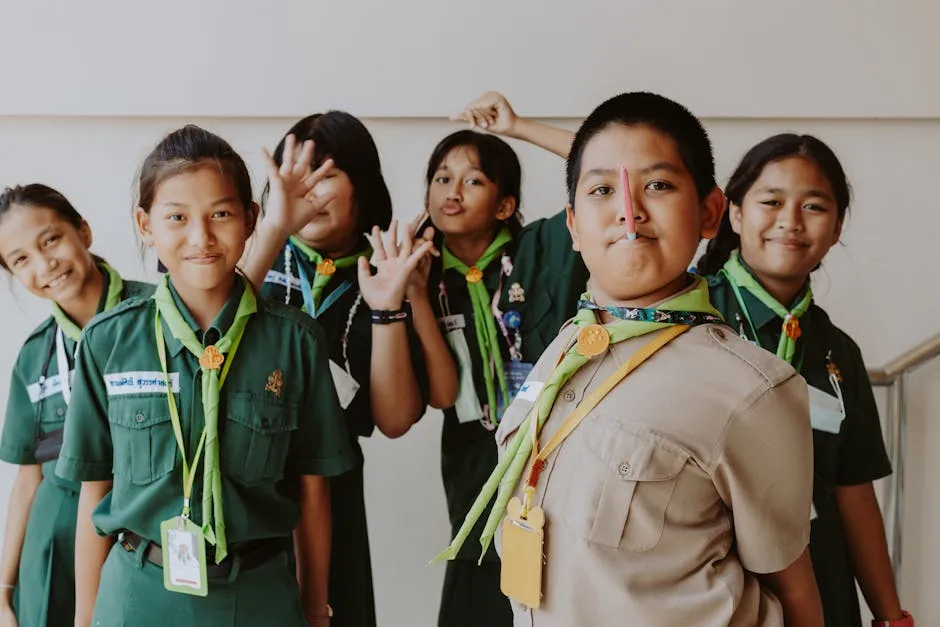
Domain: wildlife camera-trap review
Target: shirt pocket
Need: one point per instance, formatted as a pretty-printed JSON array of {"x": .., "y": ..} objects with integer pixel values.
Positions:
[
  {"x": 52, "y": 413},
  {"x": 257, "y": 438},
  {"x": 144, "y": 445},
  {"x": 621, "y": 490}
]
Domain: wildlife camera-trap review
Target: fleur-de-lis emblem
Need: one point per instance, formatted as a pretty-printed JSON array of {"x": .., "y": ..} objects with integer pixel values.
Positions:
[
  {"x": 275, "y": 382},
  {"x": 211, "y": 358},
  {"x": 516, "y": 293}
]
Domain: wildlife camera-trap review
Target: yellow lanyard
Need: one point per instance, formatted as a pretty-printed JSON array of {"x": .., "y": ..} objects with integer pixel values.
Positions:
[
  {"x": 537, "y": 459},
  {"x": 189, "y": 471}
]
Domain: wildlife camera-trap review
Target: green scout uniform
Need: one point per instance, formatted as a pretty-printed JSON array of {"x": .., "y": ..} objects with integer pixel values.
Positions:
[
  {"x": 848, "y": 453},
  {"x": 278, "y": 418},
  {"x": 36, "y": 410},
  {"x": 541, "y": 291},
  {"x": 350, "y": 343}
]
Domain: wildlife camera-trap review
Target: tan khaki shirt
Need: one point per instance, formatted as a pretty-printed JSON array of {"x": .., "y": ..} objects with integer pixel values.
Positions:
[{"x": 691, "y": 475}]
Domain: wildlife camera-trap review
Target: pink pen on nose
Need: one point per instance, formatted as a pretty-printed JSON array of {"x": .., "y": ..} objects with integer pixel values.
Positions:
[{"x": 627, "y": 203}]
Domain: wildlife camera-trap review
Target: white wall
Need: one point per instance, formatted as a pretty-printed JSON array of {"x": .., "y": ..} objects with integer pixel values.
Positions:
[
  {"x": 877, "y": 287},
  {"x": 89, "y": 87},
  {"x": 283, "y": 58}
]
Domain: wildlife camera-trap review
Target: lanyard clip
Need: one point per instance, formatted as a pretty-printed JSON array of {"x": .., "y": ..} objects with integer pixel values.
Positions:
[
  {"x": 442, "y": 299},
  {"x": 741, "y": 332}
]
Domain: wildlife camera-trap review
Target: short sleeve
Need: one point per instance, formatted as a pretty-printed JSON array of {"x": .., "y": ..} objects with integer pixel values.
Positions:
[
  {"x": 18, "y": 444},
  {"x": 321, "y": 444},
  {"x": 863, "y": 457},
  {"x": 87, "y": 452},
  {"x": 764, "y": 474}
]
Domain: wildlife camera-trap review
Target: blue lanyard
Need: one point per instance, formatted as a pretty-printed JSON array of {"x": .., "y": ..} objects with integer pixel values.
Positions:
[{"x": 331, "y": 298}]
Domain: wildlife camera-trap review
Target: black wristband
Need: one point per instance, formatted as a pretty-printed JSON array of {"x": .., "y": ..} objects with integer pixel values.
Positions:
[{"x": 386, "y": 316}]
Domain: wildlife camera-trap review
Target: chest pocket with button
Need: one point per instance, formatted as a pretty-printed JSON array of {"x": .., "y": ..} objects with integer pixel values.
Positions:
[
  {"x": 51, "y": 413},
  {"x": 257, "y": 438},
  {"x": 142, "y": 437},
  {"x": 623, "y": 485}
]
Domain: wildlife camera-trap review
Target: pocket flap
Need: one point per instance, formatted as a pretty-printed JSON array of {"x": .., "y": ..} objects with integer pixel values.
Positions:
[
  {"x": 261, "y": 414},
  {"x": 136, "y": 412},
  {"x": 635, "y": 454}
]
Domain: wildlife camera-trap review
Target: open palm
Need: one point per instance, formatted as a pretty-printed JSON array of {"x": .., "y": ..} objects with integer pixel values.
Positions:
[
  {"x": 394, "y": 263},
  {"x": 291, "y": 203}
]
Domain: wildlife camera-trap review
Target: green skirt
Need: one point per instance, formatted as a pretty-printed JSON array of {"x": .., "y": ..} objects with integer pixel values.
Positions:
[
  {"x": 131, "y": 594},
  {"x": 45, "y": 595}
]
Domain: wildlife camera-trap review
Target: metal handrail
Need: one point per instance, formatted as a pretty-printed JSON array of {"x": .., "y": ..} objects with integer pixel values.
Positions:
[
  {"x": 894, "y": 377},
  {"x": 923, "y": 352}
]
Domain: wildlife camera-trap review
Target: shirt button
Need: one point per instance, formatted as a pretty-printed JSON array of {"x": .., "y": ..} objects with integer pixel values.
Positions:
[
  {"x": 59, "y": 411},
  {"x": 265, "y": 423},
  {"x": 623, "y": 468},
  {"x": 720, "y": 333},
  {"x": 569, "y": 395},
  {"x": 139, "y": 417}
]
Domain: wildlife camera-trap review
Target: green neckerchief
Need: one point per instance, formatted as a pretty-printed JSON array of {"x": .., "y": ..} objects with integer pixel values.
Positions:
[
  {"x": 325, "y": 267},
  {"x": 212, "y": 382},
  {"x": 115, "y": 286},
  {"x": 506, "y": 475},
  {"x": 487, "y": 338},
  {"x": 739, "y": 276}
]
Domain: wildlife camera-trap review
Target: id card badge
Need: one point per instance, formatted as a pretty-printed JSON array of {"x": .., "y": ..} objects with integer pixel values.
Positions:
[
  {"x": 516, "y": 374},
  {"x": 467, "y": 405},
  {"x": 452, "y": 323},
  {"x": 184, "y": 557},
  {"x": 826, "y": 412},
  {"x": 346, "y": 386},
  {"x": 521, "y": 570}
]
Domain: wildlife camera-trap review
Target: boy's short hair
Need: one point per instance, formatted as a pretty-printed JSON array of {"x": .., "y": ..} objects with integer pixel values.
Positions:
[{"x": 660, "y": 113}]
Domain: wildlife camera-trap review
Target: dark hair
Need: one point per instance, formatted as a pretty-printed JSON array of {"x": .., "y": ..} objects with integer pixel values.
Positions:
[
  {"x": 749, "y": 170},
  {"x": 498, "y": 161},
  {"x": 660, "y": 113},
  {"x": 343, "y": 138},
  {"x": 185, "y": 150},
  {"x": 41, "y": 196}
]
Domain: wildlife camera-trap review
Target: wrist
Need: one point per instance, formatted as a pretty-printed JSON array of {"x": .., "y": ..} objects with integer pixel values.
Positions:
[
  {"x": 270, "y": 229},
  {"x": 905, "y": 620},
  {"x": 392, "y": 304},
  {"x": 321, "y": 612},
  {"x": 389, "y": 316},
  {"x": 521, "y": 129}
]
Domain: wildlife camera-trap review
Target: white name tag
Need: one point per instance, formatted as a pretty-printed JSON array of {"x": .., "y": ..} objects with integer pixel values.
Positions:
[
  {"x": 346, "y": 386},
  {"x": 453, "y": 323},
  {"x": 530, "y": 391},
  {"x": 121, "y": 383},
  {"x": 50, "y": 387},
  {"x": 826, "y": 412},
  {"x": 279, "y": 278}
]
